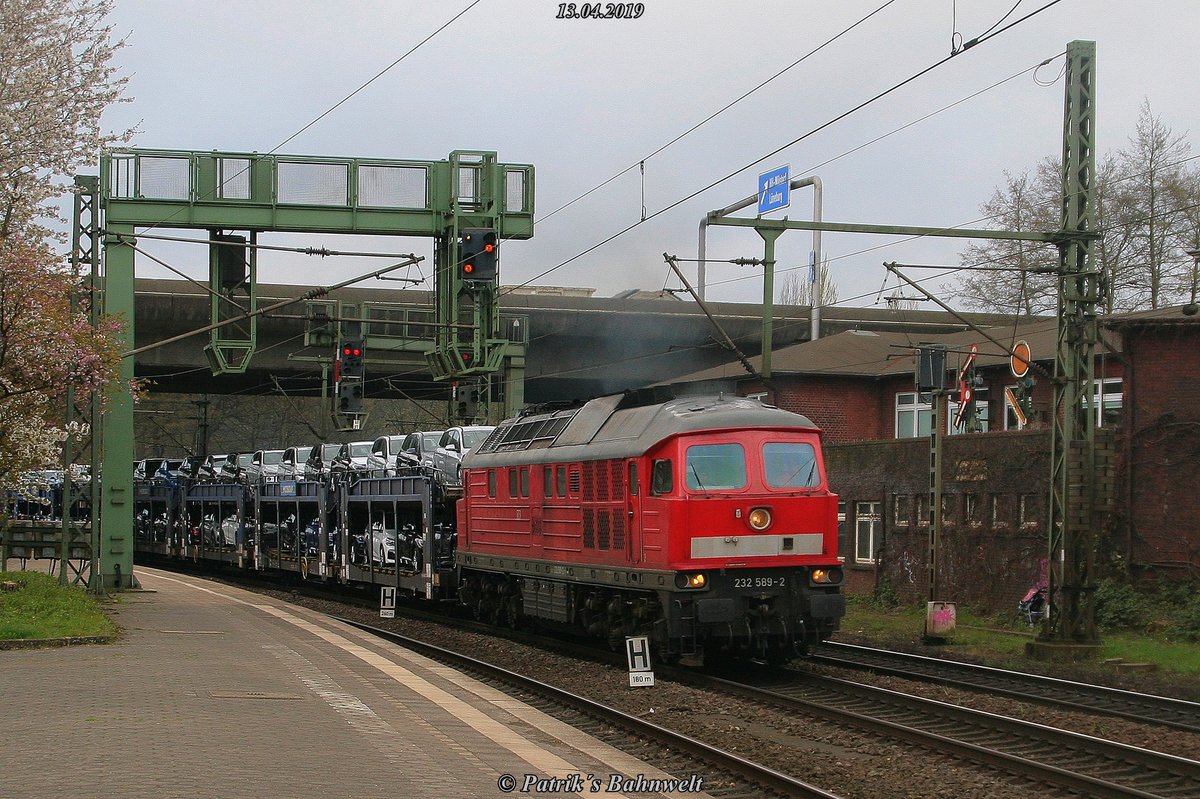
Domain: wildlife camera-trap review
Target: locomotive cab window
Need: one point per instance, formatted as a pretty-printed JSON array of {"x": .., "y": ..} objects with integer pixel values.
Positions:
[
  {"x": 791, "y": 465},
  {"x": 662, "y": 480},
  {"x": 712, "y": 467}
]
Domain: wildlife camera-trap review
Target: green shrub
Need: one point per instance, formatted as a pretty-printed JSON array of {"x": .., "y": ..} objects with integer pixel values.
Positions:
[
  {"x": 1120, "y": 607},
  {"x": 885, "y": 596},
  {"x": 1188, "y": 625}
]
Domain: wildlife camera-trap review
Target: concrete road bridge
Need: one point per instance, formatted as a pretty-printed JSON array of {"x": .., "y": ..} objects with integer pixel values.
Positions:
[{"x": 575, "y": 346}]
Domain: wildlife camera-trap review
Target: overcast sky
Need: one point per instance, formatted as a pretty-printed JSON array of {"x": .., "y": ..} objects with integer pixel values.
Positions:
[{"x": 585, "y": 99}]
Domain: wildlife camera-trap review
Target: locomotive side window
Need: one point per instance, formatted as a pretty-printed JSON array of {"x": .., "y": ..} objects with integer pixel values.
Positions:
[
  {"x": 562, "y": 480},
  {"x": 524, "y": 481},
  {"x": 790, "y": 465},
  {"x": 512, "y": 482},
  {"x": 491, "y": 482},
  {"x": 633, "y": 484},
  {"x": 662, "y": 480},
  {"x": 716, "y": 466},
  {"x": 547, "y": 481}
]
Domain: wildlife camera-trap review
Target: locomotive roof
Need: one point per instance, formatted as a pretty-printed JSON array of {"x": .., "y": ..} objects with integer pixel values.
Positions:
[{"x": 621, "y": 426}]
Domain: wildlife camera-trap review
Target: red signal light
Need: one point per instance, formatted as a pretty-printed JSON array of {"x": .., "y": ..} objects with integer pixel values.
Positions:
[
  {"x": 468, "y": 268},
  {"x": 489, "y": 247}
]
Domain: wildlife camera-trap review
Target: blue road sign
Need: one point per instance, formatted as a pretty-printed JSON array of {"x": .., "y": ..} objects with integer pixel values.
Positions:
[{"x": 774, "y": 190}]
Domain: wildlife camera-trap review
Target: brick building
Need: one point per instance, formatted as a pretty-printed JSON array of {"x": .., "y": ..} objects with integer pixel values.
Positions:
[
  {"x": 859, "y": 387},
  {"x": 1158, "y": 510}
]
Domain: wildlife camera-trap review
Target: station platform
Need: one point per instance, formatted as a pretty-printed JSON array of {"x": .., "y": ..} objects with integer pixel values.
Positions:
[{"x": 213, "y": 691}]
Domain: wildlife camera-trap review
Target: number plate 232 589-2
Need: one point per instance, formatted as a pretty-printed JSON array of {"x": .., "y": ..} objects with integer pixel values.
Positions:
[{"x": 754, "y": 583}]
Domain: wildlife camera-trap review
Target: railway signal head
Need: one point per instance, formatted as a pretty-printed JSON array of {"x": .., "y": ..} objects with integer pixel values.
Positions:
[
  {"x": 478, "y": 250},
  {"x": 350, "y": 357},
  {"x": 350, "y": 397}
]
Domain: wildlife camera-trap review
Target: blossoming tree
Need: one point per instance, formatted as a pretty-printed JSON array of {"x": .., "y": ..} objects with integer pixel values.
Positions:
[{"x": 56, "y": 79}]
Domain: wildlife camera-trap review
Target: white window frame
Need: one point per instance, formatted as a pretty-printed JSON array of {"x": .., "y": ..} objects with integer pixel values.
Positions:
[
  {"x": 1011, "y": 422},
  {"x": 1108, "y": 393},
  {"x": 868, "y": 518},
  {"x": 841, "y": 518},
  {"x": 918, "y": 410},
  {"x": 1026, "y": 504},
  {"x": 920, "y": 407},
  {"x": 981, "y": 412}
]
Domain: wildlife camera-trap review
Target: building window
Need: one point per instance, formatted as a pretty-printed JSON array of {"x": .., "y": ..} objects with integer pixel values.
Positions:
[
  {"x": 922, "y": 510},
  {"x": 981, "y": 415},
  {"x": 868, "y": 525},
  {"x": 1001, "y": 510},
  {"x": 949, "y": 509},
  {"x": 1028, "y": 509},
  {"x": 1017, "y": 404},
  {"x": 901, "y": 510},
  {"x": 971, "y": 510},
  {"x": 1109, "y": 401},
  {"x": 913, "y": 414}
]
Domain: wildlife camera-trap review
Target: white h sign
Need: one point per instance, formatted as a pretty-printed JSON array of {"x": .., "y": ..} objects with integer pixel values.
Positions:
[
  {"x": 387, "y": 602},
  {"x": 637, "y": 649}
]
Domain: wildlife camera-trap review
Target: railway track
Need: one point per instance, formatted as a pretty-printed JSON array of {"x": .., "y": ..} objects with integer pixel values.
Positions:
[
  {"x": 1129, "y": 705},
  {"x": 1090, "y": 766},
  {"x": 1085, "y": 765},
  {"x": 685, "y": 754}
]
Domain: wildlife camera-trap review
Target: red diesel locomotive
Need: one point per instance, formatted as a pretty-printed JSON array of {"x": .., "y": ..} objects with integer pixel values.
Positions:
[{"x": 705, "y": 523}]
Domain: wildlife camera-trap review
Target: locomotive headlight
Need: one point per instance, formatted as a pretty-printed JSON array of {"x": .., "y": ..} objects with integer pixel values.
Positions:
[
  {"x": 692, "y": 580},
  {"x": 759, "y": 519},
  {"x": 820, "y": 576}
]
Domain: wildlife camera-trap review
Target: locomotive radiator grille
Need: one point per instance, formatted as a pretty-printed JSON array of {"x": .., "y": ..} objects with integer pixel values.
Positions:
[{"x": 603, "y": 490}]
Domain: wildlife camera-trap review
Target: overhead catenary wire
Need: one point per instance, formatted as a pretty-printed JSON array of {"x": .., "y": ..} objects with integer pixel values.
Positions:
[
  {"x": 338, "y": 104},
  {"x": 642, "y": 162},
  {"x": 895, "y": 87}
]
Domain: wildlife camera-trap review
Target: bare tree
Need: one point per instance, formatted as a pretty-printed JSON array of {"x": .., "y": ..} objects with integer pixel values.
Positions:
[
  {"x": 1186, "y": 197},
  {"x": 1146, "y": 203},
  {"x": 1016, "y": 276},
  {"x": 800, "y": 286},
  {"x": 1151, "y": 209}
]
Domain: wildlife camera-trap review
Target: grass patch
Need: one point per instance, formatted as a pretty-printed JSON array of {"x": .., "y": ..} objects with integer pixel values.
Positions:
[
  {"x": 1180, "y": 657},
  {"x": 1000, "y": 641},
  {"x": 41, "y": 608}
]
